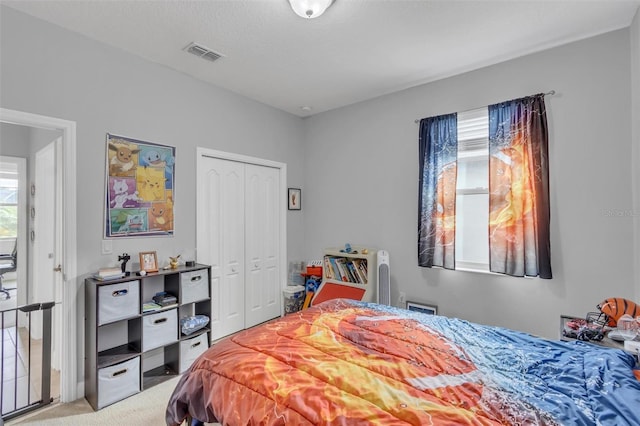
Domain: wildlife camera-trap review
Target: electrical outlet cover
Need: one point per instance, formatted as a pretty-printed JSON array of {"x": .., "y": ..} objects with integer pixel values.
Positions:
[
  {"x": 107, "y": 247},
  {"x": 632, "y": 346}
]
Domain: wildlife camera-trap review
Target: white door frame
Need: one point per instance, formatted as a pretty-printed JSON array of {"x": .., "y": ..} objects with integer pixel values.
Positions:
[
  {"x": 282, "y": 167},
  {"x": 70, "y": 388}
]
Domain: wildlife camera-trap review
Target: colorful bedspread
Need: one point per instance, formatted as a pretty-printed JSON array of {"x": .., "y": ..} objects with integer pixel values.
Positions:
[{"x": 347, "y": 362}]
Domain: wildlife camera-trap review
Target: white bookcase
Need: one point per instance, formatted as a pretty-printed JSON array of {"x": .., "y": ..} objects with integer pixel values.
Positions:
[{"x": 350, "y": 275}]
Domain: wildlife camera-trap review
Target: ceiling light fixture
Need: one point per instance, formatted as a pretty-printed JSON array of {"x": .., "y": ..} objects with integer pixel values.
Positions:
[{"x": 310, "y": 8}]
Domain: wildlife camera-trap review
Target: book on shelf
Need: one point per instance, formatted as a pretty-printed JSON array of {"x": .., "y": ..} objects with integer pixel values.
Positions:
[
  {"x": 328, "y": 269},
  {"x": 104, "y": 274},
  {"x": 342, "y": 268},
  {"x": 336, "y": 272},
  {"x": 346, "y": 267},
  {"x": 359, "y": 266},
  {"x": 362, "y": 267},
  {"x": 353, "y": 273},
  {"x": 109, "y": 271},
  {"x": 150, "y": 307}
]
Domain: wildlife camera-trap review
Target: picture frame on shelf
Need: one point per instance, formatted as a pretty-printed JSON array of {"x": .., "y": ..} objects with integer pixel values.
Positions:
[
  {"x": 148, "y": 261},
  {"x": 295, "y": 199},
  {"x": 421, "y": 307}
]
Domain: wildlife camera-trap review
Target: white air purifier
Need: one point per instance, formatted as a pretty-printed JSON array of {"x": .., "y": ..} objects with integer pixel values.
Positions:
[{"x": 384, "y": 279}]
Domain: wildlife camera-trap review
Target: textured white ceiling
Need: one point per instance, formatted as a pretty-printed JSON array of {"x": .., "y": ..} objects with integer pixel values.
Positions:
[{"x": 357, "y": 50}]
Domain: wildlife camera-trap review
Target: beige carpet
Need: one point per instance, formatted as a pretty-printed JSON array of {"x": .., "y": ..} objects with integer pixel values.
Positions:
[{"x": 145, "y": 408}]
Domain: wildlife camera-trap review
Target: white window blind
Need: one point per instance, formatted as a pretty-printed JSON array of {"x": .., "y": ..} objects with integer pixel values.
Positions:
[{"x": 472, "y": 191}]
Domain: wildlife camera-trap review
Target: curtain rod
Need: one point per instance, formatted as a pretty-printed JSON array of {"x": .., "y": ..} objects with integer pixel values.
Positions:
[{"x": 549, "y": 93}]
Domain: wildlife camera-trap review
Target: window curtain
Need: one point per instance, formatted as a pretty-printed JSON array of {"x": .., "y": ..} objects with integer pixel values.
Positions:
[
  {"x": 519, "y": 242},
  {"x": 438, "y": 143}
]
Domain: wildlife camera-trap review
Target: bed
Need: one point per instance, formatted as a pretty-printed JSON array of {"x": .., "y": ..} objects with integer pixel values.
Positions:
[{"x": 349, "y": 362}]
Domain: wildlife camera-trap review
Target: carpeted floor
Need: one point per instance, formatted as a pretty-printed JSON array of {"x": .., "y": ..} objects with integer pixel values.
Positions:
[{"x": 145, "y": 408}]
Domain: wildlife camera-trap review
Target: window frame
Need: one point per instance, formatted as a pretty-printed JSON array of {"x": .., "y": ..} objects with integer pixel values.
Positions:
[{"x": 9, "y": 172}]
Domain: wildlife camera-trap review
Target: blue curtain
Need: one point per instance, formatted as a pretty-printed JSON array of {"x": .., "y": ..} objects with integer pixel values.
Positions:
[
  {"x": 519, "y": 212},
  {"x": 438, "y": 150}
]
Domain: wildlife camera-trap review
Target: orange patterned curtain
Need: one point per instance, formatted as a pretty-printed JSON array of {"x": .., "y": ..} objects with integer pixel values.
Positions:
[
  {"x": 519, "y": 242},
  {"x": 437, "y": 198}
]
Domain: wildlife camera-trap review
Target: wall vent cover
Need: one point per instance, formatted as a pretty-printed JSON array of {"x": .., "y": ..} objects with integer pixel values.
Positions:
[{"x": 203, "y": 52}]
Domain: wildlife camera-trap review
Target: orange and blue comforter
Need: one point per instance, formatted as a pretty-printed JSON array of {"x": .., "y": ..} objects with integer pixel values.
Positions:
[{"x": 347, "y": 362}]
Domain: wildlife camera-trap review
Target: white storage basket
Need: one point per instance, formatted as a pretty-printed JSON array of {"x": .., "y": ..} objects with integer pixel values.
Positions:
[
  {"x": 118, "y": 301},
  {"x": 191, "y": 349},
  {"x": 159, "y": 329},
  {"x": 118, "y": 381},
  {"x": 194, "y": 286}
]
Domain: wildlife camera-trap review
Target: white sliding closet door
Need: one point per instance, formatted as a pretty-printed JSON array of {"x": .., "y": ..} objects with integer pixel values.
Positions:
[
  {"x": 239, "y": 233},
  {"x": 221, "y": 241},
  {"x": 263, "y": 291}
]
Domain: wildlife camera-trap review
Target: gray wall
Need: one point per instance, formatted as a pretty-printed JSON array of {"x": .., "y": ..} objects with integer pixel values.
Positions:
[
  {"x": 635, "y": 137},
  {"x": 362, "y": 184},
  {"x": 51, "y": 71},
  {"x": 14, "y": 140}
]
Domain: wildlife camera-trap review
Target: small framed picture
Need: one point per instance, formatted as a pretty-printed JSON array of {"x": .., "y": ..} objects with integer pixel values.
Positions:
[
  {"x": 148, "y": 261},
  {"x": 295, "y": 201},
  {"x": 421, "y": 307}
]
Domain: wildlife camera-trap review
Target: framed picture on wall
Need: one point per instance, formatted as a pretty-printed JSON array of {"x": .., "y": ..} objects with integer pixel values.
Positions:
[
  {"x": 295, "y": 199},
  {"x": 140, "y": 185},
  {"x": 420, "y": 307}
]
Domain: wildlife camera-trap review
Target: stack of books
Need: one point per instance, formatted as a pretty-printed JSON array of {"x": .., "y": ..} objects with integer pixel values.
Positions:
[
  {"x": 345, "y": 269},
  {"x": 104, "y": 274},
  {"x": 150, "y": 307}
]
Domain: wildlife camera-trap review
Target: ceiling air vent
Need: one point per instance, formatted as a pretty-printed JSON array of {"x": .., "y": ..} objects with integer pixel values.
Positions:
[{"x": 203, "y": 52}]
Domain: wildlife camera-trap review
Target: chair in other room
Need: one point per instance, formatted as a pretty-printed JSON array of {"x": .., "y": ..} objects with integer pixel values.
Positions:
[{"x": 8, "y": 263}]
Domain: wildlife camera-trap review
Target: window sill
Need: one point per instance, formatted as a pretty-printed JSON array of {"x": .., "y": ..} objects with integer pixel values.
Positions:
[{"x": 476, "y": 269}]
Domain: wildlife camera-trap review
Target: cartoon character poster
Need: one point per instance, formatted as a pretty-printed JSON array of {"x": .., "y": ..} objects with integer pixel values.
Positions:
[{"x": 140, "y": 181}]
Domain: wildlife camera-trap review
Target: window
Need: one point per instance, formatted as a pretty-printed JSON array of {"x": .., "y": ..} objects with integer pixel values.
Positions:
[
  {"x": 472, "y": 191},
  {"x": 484, "y": 189},
  {"x": 8, "y": 200}
]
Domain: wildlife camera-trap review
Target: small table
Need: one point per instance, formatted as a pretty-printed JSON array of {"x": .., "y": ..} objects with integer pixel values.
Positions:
[{"x": 605, "y": 342}]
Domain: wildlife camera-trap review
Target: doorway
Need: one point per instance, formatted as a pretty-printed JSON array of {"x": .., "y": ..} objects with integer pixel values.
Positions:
[{"x": 63, "y": 254}]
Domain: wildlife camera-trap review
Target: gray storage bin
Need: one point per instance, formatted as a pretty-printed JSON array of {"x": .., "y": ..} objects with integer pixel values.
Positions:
[
  {"x": 194, "y": 286},
  {"x": 293, "y": 298},
  {"x": 118, "y": 382},
  {"x": 118, "y": 301},
  {"x": 192, "y": 349},
  {"x": 159, "y": 329}
]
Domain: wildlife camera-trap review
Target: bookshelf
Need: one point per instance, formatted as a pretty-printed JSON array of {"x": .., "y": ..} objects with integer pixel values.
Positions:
[
  {"x": 348, "y": 275},
  {"x": 132, "y": 344}
]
